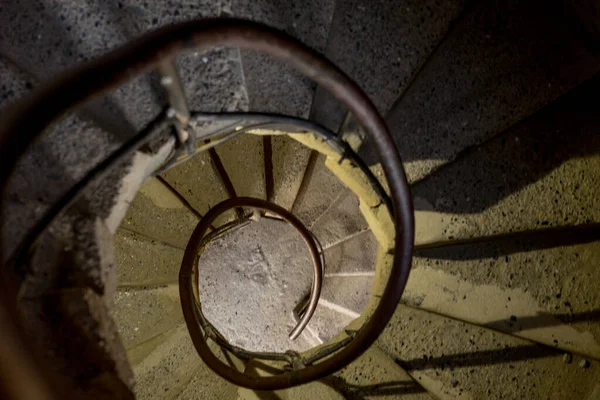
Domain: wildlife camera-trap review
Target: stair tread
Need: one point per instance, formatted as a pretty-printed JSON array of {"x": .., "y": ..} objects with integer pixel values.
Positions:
[
  {"x": 290, "y": 160},
  {"x": 272, "y": 86},
  {"x": 323, "y": 189},
  {"x": 354, "y": 256},
  {"x": 326, "y": 323},
  {"x": 174, "y": 370},
  {"x": 342, "y": 219},
  {"x": 533, "y": 287},
  {"x": 374, "y": 375},
  {"x": 157, "y": 213},
  {"x": 142, "y": 261},
  {"x": 454, "y": 359},
  {"x": 197, "y": 182},
  {"x": 380, "y": 46},
  {"x": 142, "y": 314},
  {"x": 549, "y": 160},
  {"x": 495, "y": 68},
  {"x": 50, "y": 167},
  {"x": 243, "y": 159}
]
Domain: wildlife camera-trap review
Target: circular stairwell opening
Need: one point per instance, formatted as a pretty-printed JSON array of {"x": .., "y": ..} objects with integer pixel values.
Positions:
[{"x": 249, "y": 282}]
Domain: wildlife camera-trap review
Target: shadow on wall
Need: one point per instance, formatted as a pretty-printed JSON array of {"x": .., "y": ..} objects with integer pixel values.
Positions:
[{"x": 486, "y": 174}]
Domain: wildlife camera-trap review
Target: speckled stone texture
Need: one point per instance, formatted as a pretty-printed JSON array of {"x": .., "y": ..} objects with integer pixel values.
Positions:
[
  {"x": 51, "y": 165},
  {"x": 341, "y": 220},
  {"x": 540, "y": 287},
  {"x": 143, "y": 261},
  {"x": 251, "y": 280},
  {"x": 273, "y": 87},
  {"x": 381, "y": 45},
  {"x": 170, "y": 223},
  {"x": 501, "y": 62},
  {"x": 374, "y": 375},
  {"x": 143, "y": 313},
  {"x": 175, "y": 371},
  {"x": 453, "y": 359},
  {"x": 355, "y": 255},
  {"x": 542, "y": 173},
  {"x": 290, "y": 159},
  {"x": 324, "y": 188}
]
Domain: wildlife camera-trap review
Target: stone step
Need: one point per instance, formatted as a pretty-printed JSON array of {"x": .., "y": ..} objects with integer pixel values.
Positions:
[
  {"x": 290, "y": 160},
  {"x": 173, "y": 370},
  {"x": 453, "y": 359},
  {"x": 312, "y": 390},
  {"x": 274, "y": 87},
  {"x": 543, "y": 172},
  {"x": 144, "y": 314},
  {"x": 243, "y": 159},
  {"x": 145, "y": 262},
  {"x": 355, "y": 255},
  {"x": 374, "y": 375},
  {"x": 197, "y": 181},
  {"x": 50, "y": 166},
  {"x": 341, "y": 220},
  {"x": 499, "y": 64},
  {"x": 159, "y": 214},
  {"x": 381, "y": 46},
  {"x": 342, "y": 300},
  {"x": 539, "y": 287},
  {"x": 323, "y": 189}
]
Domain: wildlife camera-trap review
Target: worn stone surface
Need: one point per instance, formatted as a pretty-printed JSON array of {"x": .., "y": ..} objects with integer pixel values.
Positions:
[
  {"x": 197, "y": 181},
  {"x": 354, "y": 256},
  {"x": 142, "y": 314},
  {"x": 47, "y": 37},
  {"x": 271, "y": 85},
  {"x": 76, "y": 252},
  {"x": 318, "y": 390},
  {"x": 550, "y": 160},
  {"x": 453, "y": 359},
  {"x": 251, "y": 280},
  {"x": 381, "y": 45},
  {"x": 290, "y": 159},
  {"x": 160, "y": 218},
  {"x": 88, "y": 355},
  {"x": 323, "y": 189},
  {"x": 374, "y": 375},
  {"x": 342, "y": 219},
  {"x": 143, "y": 261},
  {"x": 175, "y": 371},
  {"x": 543, "y": 288},
  {"x": 326, "y": 323},
  {"x": 243, "y": 159},
  {"x": 348, "y": 292},
  {"x": 50, "y": 166},
  {"x": 501, "y": 63}
]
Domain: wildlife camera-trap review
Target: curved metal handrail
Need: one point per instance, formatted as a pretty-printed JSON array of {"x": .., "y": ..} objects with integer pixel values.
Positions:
[{"x": 24, "y": 122}]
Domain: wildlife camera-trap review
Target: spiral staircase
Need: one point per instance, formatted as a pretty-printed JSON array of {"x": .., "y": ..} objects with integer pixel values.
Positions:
[{"x": 493, "y": 109}]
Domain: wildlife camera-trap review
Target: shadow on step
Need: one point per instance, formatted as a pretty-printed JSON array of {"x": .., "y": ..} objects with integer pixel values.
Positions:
[
  {"x": 484, "y": 175},
  {"x": 501, "y": 245},
  {"x": 483, "y": 357},
  {"x": 542, "y": 320},
  {"x": 360, "y": 392}
]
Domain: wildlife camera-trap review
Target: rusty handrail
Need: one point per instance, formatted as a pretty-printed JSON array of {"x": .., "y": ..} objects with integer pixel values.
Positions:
[{"x": 24, "y": 122}]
